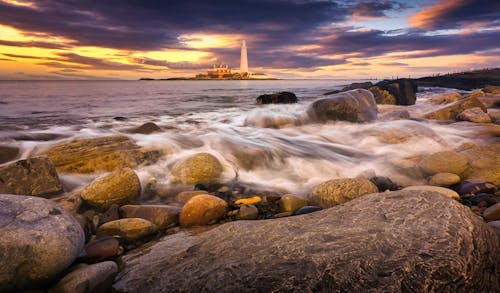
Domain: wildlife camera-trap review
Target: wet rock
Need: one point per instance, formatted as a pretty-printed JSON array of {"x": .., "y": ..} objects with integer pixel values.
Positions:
[
  {"x": 384, "y": 183},
  {"x": 39, "y": 240},
  {"x": 119, "y": 187},
  {"x": 96, "y": 278},
  {"x": 491, "y": 90},
  {"x": 496, "y": 226},
  {"x": 450, "y": 111},
  {"x": 283, "y": 215},
  {"x": 120, "y": 118},
  {"x": 484, "y": 163},
  {"x": 201, "y": 167},
  {"x": 247, "y": 212},
  {"x": 337, "y": 191},
  {"x": 382, "y": 96},
  {"x": 374, "y": 243},
  {"x": 475, "y": 186},
  {"x": 475, "y": 115},
  {"x": 98, "y": 154},
  {"x": 146, "y": 128},
  {"x": 277, "y": 98},
  {"x": 44, "y": 136},
  {"x": 250, "y": 200},
  {"x": 104, "y": 248},
  {"x": 163, "y": 216},
  {"x": 404, "y": 90},
  {"x": 444, "y": 179},
  {"x": 396, "y": 132},
  {"x": 476, "y": 94},
  {"x": 35, "y": 176},
  {"x": 70, "y": 202},
  {"x": 307, "y": 210},
  {"x": 185, "y": 196},
  {"x": 445, "y": 98},
  {"x": 492, "y": 213},
  {"x": 442, "y": 190},
  {"x": 203, "y": 209},
  {"x": 8, "y": 153},
  {"x": 111, "y": 214},
  {"x": 444, "y": 162},
  {"x": 291, "y": 203},
  {"x": 482, "y": 199},
  {"x": 129, "y": 229},
  {"x": 396, "y": 115},
  {"x": 354, "y": 106}
]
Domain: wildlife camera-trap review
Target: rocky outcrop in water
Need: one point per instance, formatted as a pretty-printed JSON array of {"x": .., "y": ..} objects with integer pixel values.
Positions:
[
  {"x": 404, "y": 90},
  {"x": 146, "y": 128},
  {"x": 35, "y": 176},
  {"x": 399, "y": 241},
  {"x": 451, "y": 110},
  {"x": 354, "y": 106},
  {"x": 38, "y": 241},
  {"x": 277, "y": 98}
]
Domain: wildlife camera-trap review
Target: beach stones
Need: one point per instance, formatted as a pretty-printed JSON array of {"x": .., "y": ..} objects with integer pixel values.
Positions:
[
  {"x": 162, "y": 216},
  {"x": 442, "y": 190},
  {"x": 185, "y": 196},
  {"x": 277, "y": 98},
  {"x": 88, "y": 278},
  {"x": 119, "y": 187},
  {"x": 201, "y": 167},
  {"x": 35, "y": 176},
  {"x": 374, "y": 243},
  {"x": 8, "y": 153},
  {"x": 337, "y": 191},
  {"x": 354, "y": 106},
  {"x": 129, "y": 229},
  {"x": 450, "y": 111},
  {"x": 247, "y": 212},
  {"x": 101, "y": 249},
  {"x": 444, "y": 179},
  {"x": 476, "y": 115},
  {"x": 475, "y": 186},
  {"x": 291, "y": 203},
  {"x": 38, "y": 241},
  {"x": 492, "y": 213},
  {"x": 444, "y": 162},
  {"x": 203, "y": 209},
  {"x": 484, "y": 163},
  {"x": 306, "y": 210},
  {"x": 382, "y": 96},
  {"x": 146, "y": 128}
]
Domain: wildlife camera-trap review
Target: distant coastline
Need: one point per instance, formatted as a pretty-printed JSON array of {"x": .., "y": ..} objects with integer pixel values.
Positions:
[{"x": 197, "y": 78}]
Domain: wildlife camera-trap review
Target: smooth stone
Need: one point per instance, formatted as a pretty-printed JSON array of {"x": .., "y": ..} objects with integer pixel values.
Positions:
[
  {"x": 163, "y": 216},
  {"x": 38, "y": 241},
  {"x": 185, "y": 196},
  {"x": 484, "y": 163},
  {"x": 386, "y": 242},
  {"x": 119, "y": 187},
  {"x": 444, "y": 179},
  {"x": 247, "y": 212},
  {"x": 277, "y": 98},
  {"x": 283, "y": 215},
  {"x": 146, "y": 128},
  {"x": 444, "y": 191},
  {"x": 444, "y": 162},
  {"x": 8, "y": 153},
  {"x": 35, "y": 176},
  {"x": 70, "y": 202},
  {"x": 338, "y": 191},
  {"x": 95, "y": 278},
  {"x": 475, "y": 115},
  {"x": 101, "y": 154},
  {"x": 201, "y": 167},
  {"x": 111, "y": 214},
  {"x": 382, "y": 96},
  {"x": 355, "y": 106},
  {"x": 450, "y": 111},
  {"x": 129, "y": 229},
  {"x": 102, "y": 249},
  {"x": 445, "y": 98},
  {"x": 203, "y": 209},
  {"x": 291, "y": 203},
  {"x": 492, "y": 213},
  {"x": 307, "y": 210},
  {"x": 384, "y": 183},
  {"x": 250, "y": 200},
  {"x": 475, "y": 186},
  {"x": 482, "y": 199},
  {"x": 396, "y": 132}
]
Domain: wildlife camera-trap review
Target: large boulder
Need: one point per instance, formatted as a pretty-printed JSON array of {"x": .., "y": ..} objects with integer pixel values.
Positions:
[
  {"x": 382, "y": 96},
  {"x": 484, "y": 162},
  {"x": 201, "y": 167},
  {"x": 119, "y": 187},
  {"x": 99, "y": 154},
  {"x": 404, "y": 90},
  {"x": 337, "y": 191},
  {"x": 415, "y": 241},
  {"x": 8, "y": 153},
  {"x": 277, "y": 98},
  {"x": 39, "y": 240},
  {"x": 450, "y": 111},
  {"x": 95, "y": 278},
  {"x": 35, "y": 176},
  {"x": 354, "y": 106}
]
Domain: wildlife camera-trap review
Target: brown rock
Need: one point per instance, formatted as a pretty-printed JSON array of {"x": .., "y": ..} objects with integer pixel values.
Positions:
[
  {"x": 492, "y": 213},
  {"x": 475, "y": 115},
  {"x": 444, "y": 191},
  {"x": 491, "y": 90},
  {"x": 445, "y": 98},
  {"x": 450, "y": 111},
  {"x": 8, "y": 153},
  {"x": 291, "y": 203},
  {"x": 163, "y": 216},
  {"x": 444, "y": 179},
  {"x": 202, "y": 167},
  {"x": 146, "y": 128},
  {"x": 70, "y": 202},
  {"x": 96, "y": 278},
  {"x": 337, "y": 191},
  {"x": 444, "y": 162},
  {"x": 382, "y": 96},
  {"x": 484, "y": 163},
  {"x": 185, "y": 196},
  {"x": 119, "y": 187},
  {"x": 35, "y": 176},
  {"x": 102, "y": 249},
  {"x": 129, "y": 229},
  {"x": 203, "y": 209},
  {"x": 247, "y": 212},
  {"x": 476, "y": 94}
]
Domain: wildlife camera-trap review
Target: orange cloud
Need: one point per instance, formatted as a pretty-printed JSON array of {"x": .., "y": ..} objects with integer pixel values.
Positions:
[{"x": 426, "y": 18}]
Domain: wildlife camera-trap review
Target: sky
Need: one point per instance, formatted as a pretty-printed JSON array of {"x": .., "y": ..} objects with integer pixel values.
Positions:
[{"x": 129, "y": 39}]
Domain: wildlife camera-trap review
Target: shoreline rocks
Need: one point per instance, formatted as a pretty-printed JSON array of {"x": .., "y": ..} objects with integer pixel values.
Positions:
[
  {"x": 198, "y": 168},
  {"x": 277, "y": 98},
  {"x": 338, "y": 191},
  {"x": 202, "y": 209}
]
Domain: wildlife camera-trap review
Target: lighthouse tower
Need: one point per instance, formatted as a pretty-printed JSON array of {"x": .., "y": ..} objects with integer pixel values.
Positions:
[{"x": 244, "y": 58}]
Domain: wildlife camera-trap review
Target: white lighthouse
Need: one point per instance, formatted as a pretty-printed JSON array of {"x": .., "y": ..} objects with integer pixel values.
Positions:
[{"x": 244, "y": 58}]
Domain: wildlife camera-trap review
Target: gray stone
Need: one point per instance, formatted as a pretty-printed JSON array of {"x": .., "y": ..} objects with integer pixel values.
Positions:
[
  {"x": 391, "y": 242},
  {"x": 354, "y": 106},
  {"x": 35, "y": 176},
  {"x": 96, "y": 278},
  {"x": 38, "y": 241},
  {"x": 247, "y": 212},
  {"x": 306, "y": 210}
]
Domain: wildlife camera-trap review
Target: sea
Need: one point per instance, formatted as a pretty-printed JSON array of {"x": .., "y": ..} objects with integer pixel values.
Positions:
[{"x": 268, "y": 147}]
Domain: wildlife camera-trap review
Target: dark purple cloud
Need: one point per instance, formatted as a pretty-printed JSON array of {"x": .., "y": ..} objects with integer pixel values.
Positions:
[{"x": 372, "y": 9}]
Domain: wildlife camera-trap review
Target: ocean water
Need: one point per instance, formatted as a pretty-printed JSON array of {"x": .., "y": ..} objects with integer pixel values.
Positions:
[{"x": 271, "y": 147}]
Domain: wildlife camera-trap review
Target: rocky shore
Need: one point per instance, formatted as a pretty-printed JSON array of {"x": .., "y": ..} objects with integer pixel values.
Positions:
[{"x": 439, "y": 231}]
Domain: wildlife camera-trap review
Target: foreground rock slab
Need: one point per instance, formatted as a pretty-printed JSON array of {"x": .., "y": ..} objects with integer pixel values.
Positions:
[
  {"x": 410, "y": 241},
  {"x": 38, "y": 241}
]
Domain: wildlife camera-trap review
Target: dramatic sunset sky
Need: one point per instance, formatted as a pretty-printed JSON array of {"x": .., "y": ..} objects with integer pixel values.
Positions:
[{"x": 128, "y": 39}]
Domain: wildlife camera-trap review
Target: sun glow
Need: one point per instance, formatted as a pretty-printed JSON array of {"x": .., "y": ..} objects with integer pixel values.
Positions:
[{"x": 200, "y": 41}]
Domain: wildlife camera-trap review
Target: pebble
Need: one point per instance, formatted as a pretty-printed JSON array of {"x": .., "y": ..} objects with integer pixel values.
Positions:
[
  {"x": 102, "y": 249},
  {"x": 250, "y": 200},
  {"x": 291, "y": 203},
  {"x": 163, "y": 216},
  {"x": 307, "y": 210},
  {"x": 475, "y": 186},
  {"x": 185, "y": 196},
  {"x": 492, "y": 213},
  {"x": 129, "y": 229},
  {"x": 247, "y": 212},
  {"x": 444, "y": 179},
  {"x": 109, "y": 215},
  {"x": 283, "y": 214},
  {"x": 477, "y": 200},
  {"x": 203, "y": 209}
]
